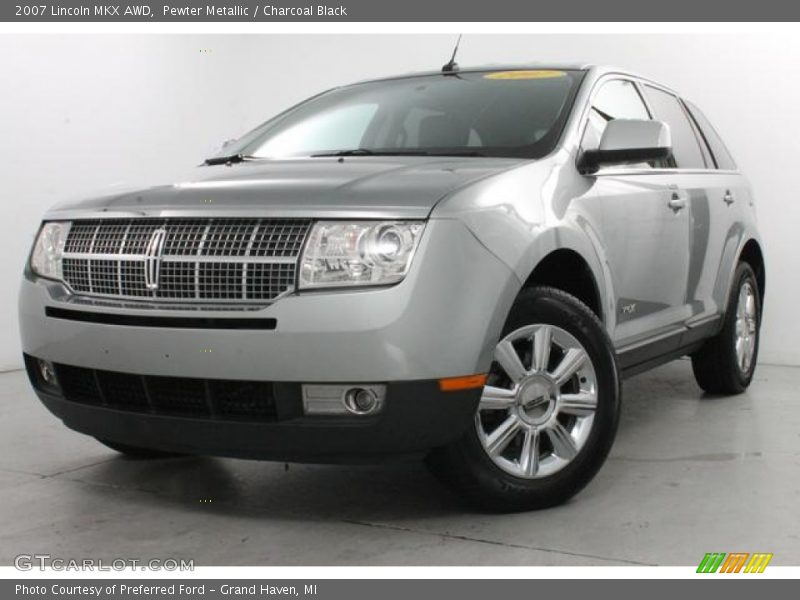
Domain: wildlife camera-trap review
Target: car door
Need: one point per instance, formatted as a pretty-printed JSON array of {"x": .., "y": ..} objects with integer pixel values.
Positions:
[
  {"x": 714, "y": 250},
  {"x": 641, "y": 213},
  {"x": 710, "y": 194}
]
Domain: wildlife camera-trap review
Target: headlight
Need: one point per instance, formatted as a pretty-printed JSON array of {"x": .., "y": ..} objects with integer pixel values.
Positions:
[
  {"x": 358, "y": 253},
  {"x": 48, "y": 251}
]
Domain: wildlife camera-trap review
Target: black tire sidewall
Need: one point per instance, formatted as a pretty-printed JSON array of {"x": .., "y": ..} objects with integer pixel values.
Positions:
[
  {"x": 544, "y": 305},
  {"x": 744, "y": 274}
]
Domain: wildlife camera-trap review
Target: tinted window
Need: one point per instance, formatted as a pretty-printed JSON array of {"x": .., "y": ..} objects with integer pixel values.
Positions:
[
  {"x": 338, "y": 128},
  {"x": 616, "y": 99},
  {"x": 415, "y": 128},
  {"x": 507, "y": 113},
  {"x": 685, "y": 146},
  {"x": 708, "y": 159},
  {"x": 721, "y": 155}
]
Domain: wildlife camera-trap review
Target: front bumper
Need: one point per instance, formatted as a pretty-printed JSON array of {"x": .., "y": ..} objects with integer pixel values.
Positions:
[
  {"x": 269, "y": 425},
  {"x": 441, "y": 321}
]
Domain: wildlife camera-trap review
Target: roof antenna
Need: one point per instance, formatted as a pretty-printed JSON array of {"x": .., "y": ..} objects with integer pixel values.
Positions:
[{"x": 452, "y": 66}]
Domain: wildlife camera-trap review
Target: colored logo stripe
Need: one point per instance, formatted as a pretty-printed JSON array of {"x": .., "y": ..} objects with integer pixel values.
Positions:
[
  {"x": 711, "y": 562},
  {"x": 758, "y": 562},
  {"x": 734, "y": 563}
]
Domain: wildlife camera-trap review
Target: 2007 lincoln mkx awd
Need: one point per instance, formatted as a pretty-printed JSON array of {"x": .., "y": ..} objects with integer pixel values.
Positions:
[{"x": 458, "y": 264}]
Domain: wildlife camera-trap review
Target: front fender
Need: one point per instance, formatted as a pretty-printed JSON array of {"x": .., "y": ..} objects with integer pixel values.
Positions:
[{"x": 523, "y": 215}]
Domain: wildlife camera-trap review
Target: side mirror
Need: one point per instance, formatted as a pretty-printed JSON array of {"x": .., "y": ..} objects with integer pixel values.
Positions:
[{"x": 628, "y": 141}]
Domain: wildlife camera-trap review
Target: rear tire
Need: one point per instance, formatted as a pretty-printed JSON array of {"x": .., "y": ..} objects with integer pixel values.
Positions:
[
  {"x": 137, "y": 452},
  {"x": 542, "y": 434},
  {"x": 725, "y": 364}
]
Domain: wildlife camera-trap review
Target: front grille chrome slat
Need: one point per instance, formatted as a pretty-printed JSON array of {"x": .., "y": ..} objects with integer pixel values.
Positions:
[
  {"x": 223, "y": 260},
  {"x": 89, "y": 262},
  {"x": 119, "y": 262}
]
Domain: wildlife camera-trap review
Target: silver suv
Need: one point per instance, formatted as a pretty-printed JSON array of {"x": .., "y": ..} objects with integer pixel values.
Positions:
[{"x": 459, "y": 265}]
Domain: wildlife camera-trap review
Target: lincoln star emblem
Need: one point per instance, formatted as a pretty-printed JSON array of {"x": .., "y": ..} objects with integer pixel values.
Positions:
[{"x": 152, "y": 258}]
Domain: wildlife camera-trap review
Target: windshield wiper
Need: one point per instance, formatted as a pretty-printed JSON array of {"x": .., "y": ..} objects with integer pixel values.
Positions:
[
  {"x": 368, "y": 152},
  {"x": 226, "y": 160},
  {"x": 465, "y": 153},
  {"x": 353, "y": 152}
]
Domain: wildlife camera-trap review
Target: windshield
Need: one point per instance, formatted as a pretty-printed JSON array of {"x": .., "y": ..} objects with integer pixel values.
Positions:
[{"x": 495, "y": 113}]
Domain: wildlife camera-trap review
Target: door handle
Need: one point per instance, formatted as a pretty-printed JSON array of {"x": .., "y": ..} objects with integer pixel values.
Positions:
[
  {"x": 728, "y": 198},
  {"x": 677, "y": 202}
]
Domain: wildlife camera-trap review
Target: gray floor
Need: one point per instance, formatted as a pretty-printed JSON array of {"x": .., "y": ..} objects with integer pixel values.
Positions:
[{"x": 687, "y": 475}]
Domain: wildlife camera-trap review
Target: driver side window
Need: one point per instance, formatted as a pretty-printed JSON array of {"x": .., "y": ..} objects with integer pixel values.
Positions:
[{"x": 616, "y": 99}]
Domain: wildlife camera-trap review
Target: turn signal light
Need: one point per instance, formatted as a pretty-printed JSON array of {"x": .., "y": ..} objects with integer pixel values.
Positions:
[{"x": 468, "y": 382}]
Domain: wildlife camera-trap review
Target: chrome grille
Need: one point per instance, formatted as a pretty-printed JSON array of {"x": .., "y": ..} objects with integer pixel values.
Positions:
[{"x": 201, "y": 260}]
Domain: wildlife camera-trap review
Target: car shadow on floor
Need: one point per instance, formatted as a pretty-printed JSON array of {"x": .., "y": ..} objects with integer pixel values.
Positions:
[
  {"x": 263, "y": 489},
  {"x": 386, "y": 491}
]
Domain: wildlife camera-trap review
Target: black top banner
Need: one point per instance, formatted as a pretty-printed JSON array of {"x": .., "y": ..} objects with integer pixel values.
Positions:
[{"x": 399, "y": 10}]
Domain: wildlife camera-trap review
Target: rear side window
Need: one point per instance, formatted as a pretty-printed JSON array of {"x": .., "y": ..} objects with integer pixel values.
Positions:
[
  {"x": 685, "y": 145},
  {"x": 616, "y": 99},
  {"x": 722, "y": 157}
]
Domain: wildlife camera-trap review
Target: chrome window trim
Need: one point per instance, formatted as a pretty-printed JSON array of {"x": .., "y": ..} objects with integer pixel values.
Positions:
[{"x": 616, "y": 172}]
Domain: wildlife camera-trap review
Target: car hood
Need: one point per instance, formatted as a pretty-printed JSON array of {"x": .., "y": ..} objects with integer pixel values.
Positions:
[{"x": 354, "y": 187}]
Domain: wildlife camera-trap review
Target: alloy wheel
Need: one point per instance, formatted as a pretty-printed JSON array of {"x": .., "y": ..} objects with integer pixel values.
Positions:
[
  {"x": 746, "y": 327},
  {"x": 537, "y": 409}
]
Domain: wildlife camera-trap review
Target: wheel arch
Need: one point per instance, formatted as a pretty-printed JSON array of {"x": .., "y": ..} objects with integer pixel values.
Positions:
[
  {"x": 533, "y": 251},
  {"x": 752, "y": 254},
  {"x": 567, "y": 270}
]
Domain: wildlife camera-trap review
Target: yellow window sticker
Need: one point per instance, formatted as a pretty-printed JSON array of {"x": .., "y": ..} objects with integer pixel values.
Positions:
[{"x": 538, "y": 74}]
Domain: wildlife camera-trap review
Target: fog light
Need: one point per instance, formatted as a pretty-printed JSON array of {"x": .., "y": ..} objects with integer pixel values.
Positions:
[
  {"x": 47, "y": 372},
  {"x": 360, "y": 401},
  {"x": 343, "y": 399}
]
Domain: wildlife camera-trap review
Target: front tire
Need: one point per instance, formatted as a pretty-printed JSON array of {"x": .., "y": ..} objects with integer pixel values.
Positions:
[
  {"x": 548, "y": 414},
  {"x": 725, "y": 363}
]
